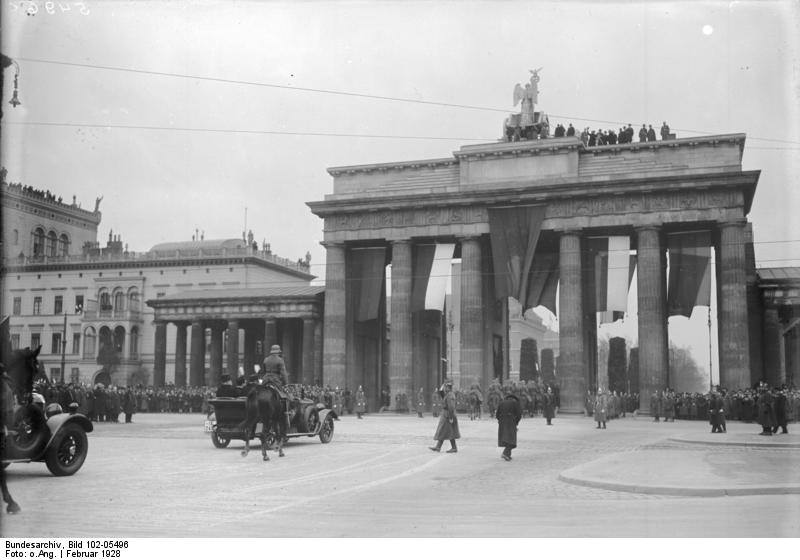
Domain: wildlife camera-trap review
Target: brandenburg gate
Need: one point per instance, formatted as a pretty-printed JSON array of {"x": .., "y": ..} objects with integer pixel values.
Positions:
[{"x": 564, "y": 196}]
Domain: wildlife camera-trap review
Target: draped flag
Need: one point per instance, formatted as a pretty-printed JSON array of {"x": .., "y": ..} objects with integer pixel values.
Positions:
[
  {"x": 543, "y": 280},
  {"x": 514, "y": 233},
  {"x": 689, "y": 272},
  {"x": 613, "y": 272},
  {"x": 368, "y": 273},
  {"x": 440, "y": 274},
  {"x": 431, "y": 273}
]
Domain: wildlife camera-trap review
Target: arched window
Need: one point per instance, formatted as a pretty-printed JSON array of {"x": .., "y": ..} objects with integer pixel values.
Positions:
[
  {"x": 105, "y": 300},
  {"x": 89, "y": 343},
  {"x": 52, "y": 244},
  {"x": 134, "y": 343},
  {"x": 38, "y": 242},
  {"x": 63, "y": 245},
  {"x": 119, "y": 340},
  {"x": 16, "y": 237},
  {"x": 119, "y": 303},
  {"x": 133, "y": 300}
]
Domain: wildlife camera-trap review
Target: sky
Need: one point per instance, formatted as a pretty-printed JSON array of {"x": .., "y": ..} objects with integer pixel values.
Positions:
[{"x": 218, "y": 116}]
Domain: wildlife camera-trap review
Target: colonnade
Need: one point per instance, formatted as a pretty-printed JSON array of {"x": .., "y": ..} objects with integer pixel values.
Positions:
[
  {"x": 576, "y": 343},
  {"x": 296, "y": 337}
]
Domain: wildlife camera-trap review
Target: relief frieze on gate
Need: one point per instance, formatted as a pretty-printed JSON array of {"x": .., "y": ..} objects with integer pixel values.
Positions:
[
  {"x": 406, "y": 218},
  {"x": 641, "y": 202}
]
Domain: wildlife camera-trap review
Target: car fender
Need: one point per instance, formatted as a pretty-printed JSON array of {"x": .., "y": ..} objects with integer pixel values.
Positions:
[
  {"x": 56, "y": 422},
  {"x": 323, "y": 414}
]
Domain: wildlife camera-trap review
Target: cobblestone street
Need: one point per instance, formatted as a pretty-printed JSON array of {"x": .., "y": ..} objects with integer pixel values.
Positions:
[{"x": 161, "y": 477}]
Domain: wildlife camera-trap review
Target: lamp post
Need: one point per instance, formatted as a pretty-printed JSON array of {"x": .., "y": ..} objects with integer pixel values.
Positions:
[
  {"x": 64, "y": 348},
  {"x": 710, "y": 375}
]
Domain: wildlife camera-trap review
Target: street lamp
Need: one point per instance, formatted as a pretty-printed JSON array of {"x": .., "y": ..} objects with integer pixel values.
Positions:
[{"x": 64, "y": 348}]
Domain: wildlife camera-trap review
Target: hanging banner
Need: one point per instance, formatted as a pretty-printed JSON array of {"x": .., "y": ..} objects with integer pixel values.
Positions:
[
  {"x": 368, "y": 275},
  {"x": 439, "y": 276},
  {"x": 514, "y": 233},
  {"x": 689, "y": 272}
]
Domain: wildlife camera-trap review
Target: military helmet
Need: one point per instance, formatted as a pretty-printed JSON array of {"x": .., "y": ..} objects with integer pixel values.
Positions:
[{"x": 275, "y": 349}]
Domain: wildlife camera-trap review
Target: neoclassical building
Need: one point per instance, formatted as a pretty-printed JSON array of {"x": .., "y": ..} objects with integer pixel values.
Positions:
[
  {"x": 119, "y": 317},
  {"x": 530, "y": 220}
]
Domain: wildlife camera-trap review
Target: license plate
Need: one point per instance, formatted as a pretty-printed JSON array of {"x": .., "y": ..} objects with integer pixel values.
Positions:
[{"x": 209, "y": 426}]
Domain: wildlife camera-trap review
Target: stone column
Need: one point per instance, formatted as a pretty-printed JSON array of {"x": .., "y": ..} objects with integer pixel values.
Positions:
[
  {"x": 215, "y": 369},
  {"x": 160, "y": 358},
  {"x": 309, "y": 326},
  {"x": 197, "y": 364},
  {"x": 400, "y": 347},
  {"x": 651, "y": 287},
  {"x": 318, "y": 351},
  {"x": 773, "y": 347},
  {"x": 180, "y": 355},
  {"x": 734, "y": 340},
  {"x": 233, "y": 348},
  {"x": 270, "y": 335},
  {"x": 289, "y": 347},
  {"x": 250, "y": 339},
  {"x": 571, "y": 360},
  {"x": 471, "y": 327},
  {"x": 334, "y": 360}
]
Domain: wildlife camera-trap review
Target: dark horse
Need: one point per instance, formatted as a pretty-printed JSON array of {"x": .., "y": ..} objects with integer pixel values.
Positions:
[
  {"x": 264, "y": 405},
  {"x": 16, "y": 387},
  {"x": 474, "y": 402}
]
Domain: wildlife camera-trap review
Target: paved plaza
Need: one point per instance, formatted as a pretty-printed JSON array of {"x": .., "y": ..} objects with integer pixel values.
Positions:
[{"x": 161, "y": 477}]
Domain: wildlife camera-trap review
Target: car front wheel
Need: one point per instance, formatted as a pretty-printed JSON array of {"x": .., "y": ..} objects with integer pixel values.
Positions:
[
  {"x": 326, "y": 432},
  {"x": 66, "y": 454},
  {"x": 220, "y": 442}
]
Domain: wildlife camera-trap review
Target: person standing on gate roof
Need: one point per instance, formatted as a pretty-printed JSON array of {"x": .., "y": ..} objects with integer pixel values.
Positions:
[
  {"x": 509, "y": 413},
  {"x": 665, "y": 131},
  {"x": 361, "y": 402},
  {"x": 448, "y": 423},
  {"x": 643, "y": 134}
]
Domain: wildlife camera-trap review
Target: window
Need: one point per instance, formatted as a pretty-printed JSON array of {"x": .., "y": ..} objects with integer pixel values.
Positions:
[
  {"x": 89, "y": 339},
  {"x": 55, "y": 373},
  {"x": 134, "y": 343},
  {"x": 52, "y": 244},
  {"x": 36, "y": 340},
  {"x": 105, "y": 301},
  {"x": 15, "y": 342},
  {"x": 119, "y": 303},
  {"x": 56, "y": 348},
  {"x": 76, "y": 343},
  {"x": 75, "y": 377},
  {"x": 16, "y": 237},
  {"x": 17, "y": 306},
  {"x": 58, "y": 307},
  {"x": 63, "y": 245},
  {"x": 37, "y": 305},
  {"x": 78, "y": 304},
  {"x": 38, "y": 242}
]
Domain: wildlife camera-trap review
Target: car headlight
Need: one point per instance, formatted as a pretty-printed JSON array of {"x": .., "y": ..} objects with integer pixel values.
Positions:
[{"x": 53, "y": 409}]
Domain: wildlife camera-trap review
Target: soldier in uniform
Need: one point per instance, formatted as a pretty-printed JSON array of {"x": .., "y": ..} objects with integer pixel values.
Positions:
[
  {"x": 361, "y": 402},
  {"x": 420, "y": 402},
  {"x": 655, "y": 406},
  {"x": 549, "y": 405},
  {"x": 226, "y": 388},
  {"x": 766, "y": 410},
  {"x": 509, "y": 413},
  {"x": 448, "y": 423},
  {"x": 436, "y": 403},
  {"x": 600, "y": 409},
  {"x": 779, "y": 397},
  {"x": 274, "y": 369},
  {"x": 716, "y": 413}
]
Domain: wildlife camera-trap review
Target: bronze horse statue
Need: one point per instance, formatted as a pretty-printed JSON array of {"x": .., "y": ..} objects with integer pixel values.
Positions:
[
  {"x": 16, "y": 388},
  {"x": 264, "y": 405}
]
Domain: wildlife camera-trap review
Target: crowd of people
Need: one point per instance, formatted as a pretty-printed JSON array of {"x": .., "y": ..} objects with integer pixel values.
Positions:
[{"x": 624, "y": 135}]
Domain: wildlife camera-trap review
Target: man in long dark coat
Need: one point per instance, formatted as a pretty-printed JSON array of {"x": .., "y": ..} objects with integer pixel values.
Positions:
[
  {"x": 448, "y": 422},
  {"x": 779, "y": 397},
  {"x": 766, "y": 410},
  {"x": 549, "y": 405},
  {"x": 509, "y": 413},
  {"x": 716, "y": 413}
]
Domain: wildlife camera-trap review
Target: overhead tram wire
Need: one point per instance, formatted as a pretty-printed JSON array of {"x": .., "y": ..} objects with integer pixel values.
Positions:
[{"x": 352, "y": 94}]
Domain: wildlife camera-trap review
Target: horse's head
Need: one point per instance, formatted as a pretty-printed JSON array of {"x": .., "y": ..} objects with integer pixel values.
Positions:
[{"x": 22, "y": 367}]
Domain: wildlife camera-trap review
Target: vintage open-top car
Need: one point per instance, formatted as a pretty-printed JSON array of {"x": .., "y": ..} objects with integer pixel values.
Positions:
[
  {"x": 306, "y": 418},
  {"x": 47, "y": 434}
]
